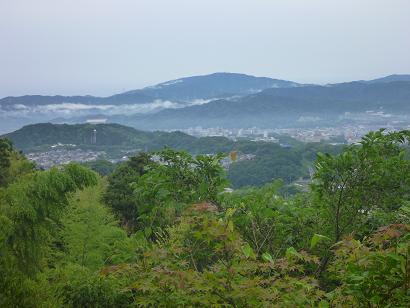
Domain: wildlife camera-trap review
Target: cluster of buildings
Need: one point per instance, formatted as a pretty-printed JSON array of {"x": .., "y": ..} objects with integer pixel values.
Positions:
[
  {"x": 342, "y": 134},
  {"x": 347, "y": 133},
  {"x": 350, "y": 134},
  {"x": 253, "y": 133},
  {"x": 58, "y": 156},
  {"x": 348, "y": 128},
  {"x": 319, "y": 134}
]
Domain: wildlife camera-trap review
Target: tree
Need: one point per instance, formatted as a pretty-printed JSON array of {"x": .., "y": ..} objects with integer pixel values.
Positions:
[
  {"x": 204, "y": 262},
  {"x": 90, "y": 235},
  {"x": 345, "y": 242},
  {"x": 374, "y": 272},
  {"x": 269, "y": 222},
  {"x": 5, "y": 157},
  {"x": 119, "y": 193},
  {"x": 30, "y": 211},
  {"x": 177, "y": 181},
  {"x": 359, "y": 190},
  {"x": 101, "y": 166}
]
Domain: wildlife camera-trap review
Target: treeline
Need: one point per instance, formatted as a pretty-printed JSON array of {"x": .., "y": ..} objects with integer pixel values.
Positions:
[
  {"x": 271, "y": 161},
  {"x": 287, "y": 160},
  {"x": 166, "y": 234}
]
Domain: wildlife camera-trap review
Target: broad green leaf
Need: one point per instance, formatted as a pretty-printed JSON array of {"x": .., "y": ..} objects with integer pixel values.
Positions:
[
  {"x": 248, "y": 251},
  {"x": 316, "y": 238},
  {"x": 267, "y": 257},
  {"x": 291, "y": 251},
  {"x": 324, "y": 304}
]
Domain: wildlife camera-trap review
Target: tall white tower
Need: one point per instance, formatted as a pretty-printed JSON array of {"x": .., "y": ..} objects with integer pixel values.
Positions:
[{"x": 94, "y": 137}]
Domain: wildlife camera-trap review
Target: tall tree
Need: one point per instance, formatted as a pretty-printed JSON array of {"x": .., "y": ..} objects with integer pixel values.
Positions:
[
  {"x": 5, "y": 156},
  {"x": 119, "y": 193},
  {"x": 358, "y": 190},
  {"x": 30, "y": 211}
]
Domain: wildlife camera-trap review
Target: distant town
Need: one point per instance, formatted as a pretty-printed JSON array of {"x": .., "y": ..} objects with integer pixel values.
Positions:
[
  {"x": 356, "y": 125},
  {"x": 345, "y": 134},
  {"x": 63, "y": 155}
]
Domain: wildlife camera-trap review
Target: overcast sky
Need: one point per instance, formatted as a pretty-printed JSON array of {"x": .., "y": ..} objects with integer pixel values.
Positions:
[{"x": 101, "y": 47}]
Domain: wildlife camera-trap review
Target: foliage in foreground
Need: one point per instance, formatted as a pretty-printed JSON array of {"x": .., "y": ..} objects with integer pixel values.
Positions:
[{"x": 165, "y": 234}]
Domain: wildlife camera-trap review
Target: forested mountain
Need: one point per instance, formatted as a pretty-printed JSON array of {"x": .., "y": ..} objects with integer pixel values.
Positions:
[
  {"x": 165, "y": 234},
  {"x": 180, "y": 90},
  {"x": 19, "y": 111},
  {"x": 220, "y": 99},
  {"x": 284, "y": 106},
  {"x": 106, "y": 135},
  {"x": 33, "y": 100},
  {"x": 391, "y": 78},
  {"x": 269, "y": 160},
  {"x": 215, "y": 85}
]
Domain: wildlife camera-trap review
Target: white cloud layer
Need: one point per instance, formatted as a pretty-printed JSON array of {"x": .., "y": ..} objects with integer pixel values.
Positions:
[{"x": 81, "y": 109}]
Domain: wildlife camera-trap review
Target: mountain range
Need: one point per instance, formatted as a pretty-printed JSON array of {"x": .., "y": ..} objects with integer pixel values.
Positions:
[
  {"x": 219, "y": 99},
  {"x": 280, "y": 106},
  {"x": 182, "y": 90}
]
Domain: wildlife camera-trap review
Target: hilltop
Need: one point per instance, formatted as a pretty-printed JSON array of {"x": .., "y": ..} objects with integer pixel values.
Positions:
[
  {"x": 180, "y": 90},
  {"x": 34, "y": 136}
]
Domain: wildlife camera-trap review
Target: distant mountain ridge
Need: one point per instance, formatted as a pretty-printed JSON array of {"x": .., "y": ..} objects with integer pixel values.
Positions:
[
  {"x": 273, "y": 107},
  {"x": 181, "y": 90},
  {"x": 215, "y": 85},
  {"x": 19, "y": 111},
  {"x": 391, "y": 78},
  {"x": 219, "y": 99}
]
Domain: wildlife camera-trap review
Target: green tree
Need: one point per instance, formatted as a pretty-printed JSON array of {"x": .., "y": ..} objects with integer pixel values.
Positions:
[
  {"x": 177, "y": 181},
  {"x": 364, "y": 182},
  {"x": 374, "y": 272},
  {"x": 204, "y": 262},
  {"x": 90, "y": 235},
  {"x": 79, "y": 287},
  {"x": 269, "y": 222},
  {"x": 119, "y": 193},
  {"x": 30, "y": 211},
  {"x": 362, "y": 188},
  {"x": 101, "y": 166},
  {"x": 5, "y": 157}
]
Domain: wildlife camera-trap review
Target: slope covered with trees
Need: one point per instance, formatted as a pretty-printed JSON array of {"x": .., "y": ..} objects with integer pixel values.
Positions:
[
  {"x": 283, "y": 107},
  {"x": 166, "y": 234},
  {"x": 271, "y": 160},
  {"x": 42, "y": 135}
]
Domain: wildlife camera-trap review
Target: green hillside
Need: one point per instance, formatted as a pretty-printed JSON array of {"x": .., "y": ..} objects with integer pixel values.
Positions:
[
  {"x": 268, "y": 161},
  {"x": 37, "y": 136}
]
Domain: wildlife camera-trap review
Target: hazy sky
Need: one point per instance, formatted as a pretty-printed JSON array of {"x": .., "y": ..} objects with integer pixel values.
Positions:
[{"x": 101, "y": 47}]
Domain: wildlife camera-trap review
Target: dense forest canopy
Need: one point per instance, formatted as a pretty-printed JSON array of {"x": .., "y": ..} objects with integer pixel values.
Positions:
[{"x": 165, "y": 232}]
